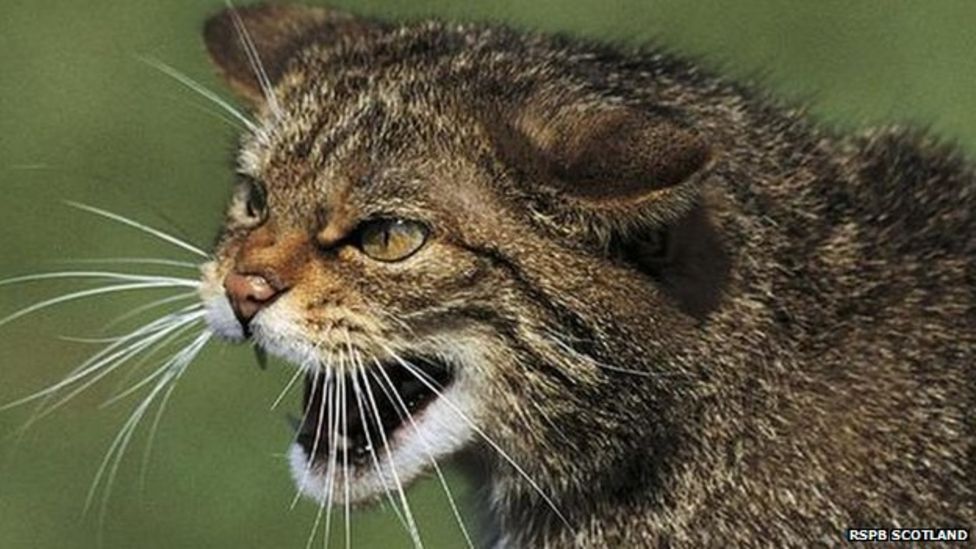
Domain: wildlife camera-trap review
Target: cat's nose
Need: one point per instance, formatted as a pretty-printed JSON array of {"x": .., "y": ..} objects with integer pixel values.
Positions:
[{"x": 248, "y": 294}]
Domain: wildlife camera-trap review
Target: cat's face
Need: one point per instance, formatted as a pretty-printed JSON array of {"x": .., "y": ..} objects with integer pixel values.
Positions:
[
  {"x": 363, "y": 244},
  {"x": 428, "y": 243}
]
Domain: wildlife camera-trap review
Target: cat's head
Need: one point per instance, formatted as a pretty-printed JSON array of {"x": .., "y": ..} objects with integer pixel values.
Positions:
[{"x": 454, "y": 232}]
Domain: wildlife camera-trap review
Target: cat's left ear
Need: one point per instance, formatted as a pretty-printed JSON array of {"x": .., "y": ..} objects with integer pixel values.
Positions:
[{"x": 244, "y": 41}]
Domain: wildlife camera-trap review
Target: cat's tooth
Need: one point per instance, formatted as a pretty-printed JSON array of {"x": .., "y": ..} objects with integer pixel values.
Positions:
[{"x": 262, "y": 357}]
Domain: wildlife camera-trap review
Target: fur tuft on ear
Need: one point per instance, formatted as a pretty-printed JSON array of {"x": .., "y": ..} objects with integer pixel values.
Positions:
[
  {"x": 251, "y": 46},
  {"x": 607, "y": 168}
]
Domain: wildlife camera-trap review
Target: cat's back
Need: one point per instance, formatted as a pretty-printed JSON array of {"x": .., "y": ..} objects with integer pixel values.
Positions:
[
  {"x": 900, "y": 244},
  {"x": 881, "y": 309}
]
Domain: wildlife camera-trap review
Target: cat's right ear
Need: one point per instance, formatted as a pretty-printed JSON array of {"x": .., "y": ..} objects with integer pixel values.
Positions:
[{"x": 254, "y": 43}]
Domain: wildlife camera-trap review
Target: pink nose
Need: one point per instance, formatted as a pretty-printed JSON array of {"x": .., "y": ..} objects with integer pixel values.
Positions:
[{"x": 248, "y": 294}]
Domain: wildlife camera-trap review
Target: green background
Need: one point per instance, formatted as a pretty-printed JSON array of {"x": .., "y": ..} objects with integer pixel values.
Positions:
[{"x": 82, "y": 119}]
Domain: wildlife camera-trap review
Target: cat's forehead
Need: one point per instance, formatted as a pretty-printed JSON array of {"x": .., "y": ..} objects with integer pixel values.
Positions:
[
  {"x": 379, "y": 151},
  {"x": 422, "y": 86},
  {"x": 407, "y": 119}
]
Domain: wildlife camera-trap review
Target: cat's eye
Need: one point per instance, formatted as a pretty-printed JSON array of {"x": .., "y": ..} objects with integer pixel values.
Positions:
[
  {"x": 391, "y": 239},
  {"x": 256, "y": 199}
]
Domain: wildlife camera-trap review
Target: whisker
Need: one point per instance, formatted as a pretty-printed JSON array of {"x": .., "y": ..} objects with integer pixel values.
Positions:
[
  {"x": 430, "y": 384},
  {"x": 254, "y": 60},
  {"x": 116, "y": 338},
  {"x": 95, "y": 362},
  {"x": 152, "y": 305},
  {"x": 325, "y": 490},
  {"x": 140, "y": 226},
  {"x": 151, "y": 439},
  {"x": 152, "y": 345},
  {"x": 133, "y": 261},
  {"x": 333, "y": 455},
  {"x": 102, "y": 275},
  {"x": 405, "y": 505},
  {"x": 179, "y": 336},
  {"x": 555, "y": 339},
  {"x": 424, "y": 442},
  {"x": 73, "y": 296},
  {"x": 134, "y": 388},
  {"x": 177, "y": 365},
  {"x": 157, "y": 329},
  {"x": 171, "y": 320},
  {"x": 326, "y": 386},
  {"x": 291, "y": 383},
  {"x": 347, "y": 530},
  {"x": 198, "y": 88},
  {"x": 318, "y": 515},
  {"x": 219, "y": 115},
  {"x": 552, "y": 424},
  {"x": 393, "y": 318},
  {"x": 316, "y": 377},
  {"x": 315, "y": 525},
  {"x": 89, "y": 340},
  {"x": 387, "y": 491}
]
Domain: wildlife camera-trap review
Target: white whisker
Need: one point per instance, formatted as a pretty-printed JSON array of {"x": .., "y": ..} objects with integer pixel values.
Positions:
[
  {"x": 178, "y": 336},
  {"x": 568, "y": 349},
  {"x": 80, "y": 295},
  {"x": 90, "y": 340},
  {"x": 317, "y": 376},
  {"x": 254, "y": 59},
  {"x": 152, "y": 305},
  {"x": 103, "y": 359},
  {"x": 219, "y": 115},
  {"x": 387, "y": 491},
  {"x": 177, "y": 365},
  {"x": 318, "y": 515},
  {"x": 394, "y": 401},
  {"x": 326, "y": 385},
  {"x": 141, "y": 226},
  {"x": 103, "y": 275},
  {"x": 333, "y": 455},
  {"x": 151, "y": 439},
  {"x": 171, "y": 320},
  {"x": 145, "y": 381},
  {"x": 430, "y": 384},
  {"x": 291, "y": 383},
  {"x": 157, "y": 329},
  {"x": 347, "y": 530},
  {"x": 200, "y": 89},
  {"x": 133, "y": 261},
  {"x": 108, "y": 369},
  {"x": 405, "y": 505}
]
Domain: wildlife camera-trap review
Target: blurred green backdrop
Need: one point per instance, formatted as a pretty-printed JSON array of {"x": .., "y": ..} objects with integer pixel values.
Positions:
[{"x": 82, "y": 119}]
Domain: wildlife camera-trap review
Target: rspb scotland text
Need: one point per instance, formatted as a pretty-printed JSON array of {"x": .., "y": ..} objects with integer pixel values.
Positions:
[{"x": 914, "y": 535}]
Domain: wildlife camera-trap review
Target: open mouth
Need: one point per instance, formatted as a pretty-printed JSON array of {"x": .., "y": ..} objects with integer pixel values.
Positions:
[{"x": 348, "y": 416}]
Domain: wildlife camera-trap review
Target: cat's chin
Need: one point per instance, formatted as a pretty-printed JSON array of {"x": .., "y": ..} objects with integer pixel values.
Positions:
[{"x": 362, "y": 443}]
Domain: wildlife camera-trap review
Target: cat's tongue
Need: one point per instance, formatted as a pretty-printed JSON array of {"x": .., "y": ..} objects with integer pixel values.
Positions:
[{"x": 354, "y": 414}]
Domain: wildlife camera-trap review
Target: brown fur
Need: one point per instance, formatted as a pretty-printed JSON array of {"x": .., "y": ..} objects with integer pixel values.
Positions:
[{"x": 800, "y": 306}]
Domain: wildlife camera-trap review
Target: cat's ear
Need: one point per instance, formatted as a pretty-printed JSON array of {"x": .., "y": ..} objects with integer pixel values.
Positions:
[
  {"x": 632, "y": 180},
  {"x": 243, "y": 42},
  {"x": 609, "y": 167}
]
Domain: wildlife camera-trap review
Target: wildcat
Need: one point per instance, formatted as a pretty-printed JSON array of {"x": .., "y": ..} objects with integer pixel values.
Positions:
[{"x": 651, "y": 307}]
